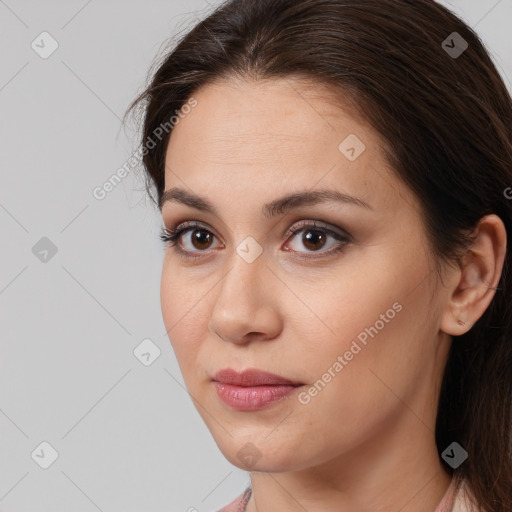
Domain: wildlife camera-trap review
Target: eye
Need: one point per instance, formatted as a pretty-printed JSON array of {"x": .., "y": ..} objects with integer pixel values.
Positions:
[
  {"x": 316, "y": 236},
  {"x": 201, "y": 237}
]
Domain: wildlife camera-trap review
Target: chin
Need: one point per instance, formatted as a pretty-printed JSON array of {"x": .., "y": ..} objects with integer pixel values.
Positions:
[{"x": 249, "y": 454}]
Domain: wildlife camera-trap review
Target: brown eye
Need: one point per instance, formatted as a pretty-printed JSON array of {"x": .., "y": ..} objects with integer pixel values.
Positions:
[
  {"x": 201, "y": 239},
  {"x": 314, "y": 240}
]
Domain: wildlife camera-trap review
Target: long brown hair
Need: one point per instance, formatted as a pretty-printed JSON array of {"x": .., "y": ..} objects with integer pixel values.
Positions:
[{"x": 445, "y": 117}]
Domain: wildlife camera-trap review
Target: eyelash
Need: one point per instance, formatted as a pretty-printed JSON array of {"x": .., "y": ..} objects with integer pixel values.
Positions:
[{"x": 170, "y": 236}]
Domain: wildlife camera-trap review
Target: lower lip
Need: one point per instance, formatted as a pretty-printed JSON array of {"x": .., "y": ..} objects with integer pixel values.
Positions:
[{"x": 252, "y": 398}]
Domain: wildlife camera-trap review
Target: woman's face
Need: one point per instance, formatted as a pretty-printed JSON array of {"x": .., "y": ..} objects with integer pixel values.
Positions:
[{"x": 358, "y": 327}]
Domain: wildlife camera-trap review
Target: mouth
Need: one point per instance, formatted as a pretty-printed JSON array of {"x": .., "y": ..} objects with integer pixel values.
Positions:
[{"x": 252, "y": 389}]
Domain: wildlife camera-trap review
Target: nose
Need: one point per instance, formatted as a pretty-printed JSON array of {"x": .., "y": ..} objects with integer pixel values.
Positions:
[{"x": 246, "y": 305}]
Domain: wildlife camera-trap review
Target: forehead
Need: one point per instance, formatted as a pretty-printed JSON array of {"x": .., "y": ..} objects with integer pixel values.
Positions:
[
  {"x": 270, "y": 112},
  {"x": 276, "y": 135}
]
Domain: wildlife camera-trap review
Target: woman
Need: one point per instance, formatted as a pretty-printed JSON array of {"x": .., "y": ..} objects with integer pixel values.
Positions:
[{"x": 334, "y": 179}]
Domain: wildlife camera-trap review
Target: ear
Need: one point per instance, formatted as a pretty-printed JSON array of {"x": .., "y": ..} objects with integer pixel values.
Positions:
[{"x": 474, "y": 284}]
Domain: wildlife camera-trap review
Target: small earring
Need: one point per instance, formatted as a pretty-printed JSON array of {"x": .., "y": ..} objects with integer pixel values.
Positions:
[{"x": 460, "y": 322}]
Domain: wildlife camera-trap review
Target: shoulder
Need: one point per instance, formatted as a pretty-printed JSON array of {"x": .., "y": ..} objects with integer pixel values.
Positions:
[{"x": 238, "y": 504}]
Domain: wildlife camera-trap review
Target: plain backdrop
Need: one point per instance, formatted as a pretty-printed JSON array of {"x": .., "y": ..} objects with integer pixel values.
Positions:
[{"x": 80, "y": 276}]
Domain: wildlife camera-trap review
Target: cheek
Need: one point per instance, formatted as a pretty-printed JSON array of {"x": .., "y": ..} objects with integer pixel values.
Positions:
[
  {"x": 386, "y": 371},
  {"x": 355, "y": 385},
  {"x": 337, "y": 308},
  {"x": 181, "y": 294},
  {"x": 170, "y": 290},
  {"x": 183, "y": 313},
  {"x": 376, "y": 326}
]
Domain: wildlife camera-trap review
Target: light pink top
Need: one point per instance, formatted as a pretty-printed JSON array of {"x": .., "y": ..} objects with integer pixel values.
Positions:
[
  {"x": 454, "y": 500},
  {"x": 457, "y": 499}
]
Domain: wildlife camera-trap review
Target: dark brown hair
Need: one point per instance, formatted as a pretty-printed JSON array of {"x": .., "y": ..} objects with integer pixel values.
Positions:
[{"x": 446, "y": 122}]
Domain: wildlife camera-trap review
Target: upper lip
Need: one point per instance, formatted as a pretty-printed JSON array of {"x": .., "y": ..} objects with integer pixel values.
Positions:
[{"x": 251, "y": 377}]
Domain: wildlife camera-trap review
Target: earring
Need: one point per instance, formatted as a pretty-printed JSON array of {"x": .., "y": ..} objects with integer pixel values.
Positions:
[{"x": 460, "y": 322}]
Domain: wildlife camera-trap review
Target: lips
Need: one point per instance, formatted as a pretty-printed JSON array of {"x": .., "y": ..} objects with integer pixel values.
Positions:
[
  {"x": 252, "y": 377},
  {"x": 252, "y": 389}
]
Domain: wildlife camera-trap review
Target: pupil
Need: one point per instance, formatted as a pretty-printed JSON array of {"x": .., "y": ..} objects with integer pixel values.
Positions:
[
  {"x": 308, "y": 237},
  {"x": 201, "y": 237}
]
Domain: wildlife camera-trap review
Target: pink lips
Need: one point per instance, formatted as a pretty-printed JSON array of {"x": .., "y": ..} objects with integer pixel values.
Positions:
[
  {"x": 251, "y": 389},
  {"x": 251, "y": 377}
]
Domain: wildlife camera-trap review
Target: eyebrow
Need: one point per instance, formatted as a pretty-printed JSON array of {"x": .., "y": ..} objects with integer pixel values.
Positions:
[{"x": 276, "y": 207}]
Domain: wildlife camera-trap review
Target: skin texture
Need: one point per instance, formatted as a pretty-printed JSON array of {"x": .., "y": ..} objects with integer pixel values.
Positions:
[{"x": 366, "y": 441}]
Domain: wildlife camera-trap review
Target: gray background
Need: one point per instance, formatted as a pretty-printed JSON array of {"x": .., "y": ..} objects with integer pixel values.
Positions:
[{"x": 127, "y": 435}]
